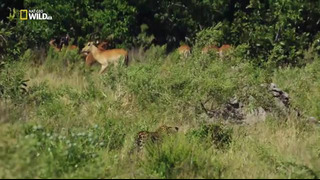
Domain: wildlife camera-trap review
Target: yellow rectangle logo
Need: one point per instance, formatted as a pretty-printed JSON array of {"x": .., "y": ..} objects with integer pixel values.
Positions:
[{"x": 24, "y": 14}]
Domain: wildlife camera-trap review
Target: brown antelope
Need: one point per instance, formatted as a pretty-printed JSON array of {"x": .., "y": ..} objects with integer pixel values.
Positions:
[
  {"x": 69, "y": 47},
  {"x": 223, "y": 49},
  {"x": 72, "y": 47},
  {"x": 55, "y": 47},
  {"x": 64, "y": 41},
  {"x": 105, "y": 57},
  {"x": 58, "y": 49},
  {"x": 184, "y": 50},
  {"x": 89, "y": 58},
  {"x": 206, "y": 49}
]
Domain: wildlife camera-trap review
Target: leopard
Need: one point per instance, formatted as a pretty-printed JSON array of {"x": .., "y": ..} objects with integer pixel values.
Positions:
[{"x": 143, "y": 137}]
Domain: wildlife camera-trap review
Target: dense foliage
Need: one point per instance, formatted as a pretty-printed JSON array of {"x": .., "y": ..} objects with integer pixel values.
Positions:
[{"x": 275, "y": 30}]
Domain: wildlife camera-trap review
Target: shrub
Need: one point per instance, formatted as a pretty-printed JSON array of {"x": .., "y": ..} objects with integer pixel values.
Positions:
[
  {"x": 177, "y": 157},
  {"x": 12, "y": 83},
  {"x": 217, "y": 135}
]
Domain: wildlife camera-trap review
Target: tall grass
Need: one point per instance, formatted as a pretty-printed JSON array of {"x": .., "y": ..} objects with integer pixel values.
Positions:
[{"x": 73, "y": 123}]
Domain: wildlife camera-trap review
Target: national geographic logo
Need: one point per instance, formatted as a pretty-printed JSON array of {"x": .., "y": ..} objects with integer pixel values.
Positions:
[
  {"x": 33, "y": 15},
  {"x": 24, "y": 14}
]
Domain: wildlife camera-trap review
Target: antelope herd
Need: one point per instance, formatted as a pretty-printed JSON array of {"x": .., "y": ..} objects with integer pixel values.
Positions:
[
  {"x": 221, "y": 51},
  {"x": 64, "y": 42},
  {"x": 185, "y": 50},
  {"x": 105, "y": 56}
]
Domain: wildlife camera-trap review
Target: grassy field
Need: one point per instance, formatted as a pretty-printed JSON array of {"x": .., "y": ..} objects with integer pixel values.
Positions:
[{"x": 71, "y": 122}]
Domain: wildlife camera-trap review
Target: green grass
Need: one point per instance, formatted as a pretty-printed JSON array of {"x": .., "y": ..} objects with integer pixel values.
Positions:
[{"x": 74, "y": 123}]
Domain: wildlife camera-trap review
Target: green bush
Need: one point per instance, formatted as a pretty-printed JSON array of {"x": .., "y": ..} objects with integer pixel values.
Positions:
[
  {"x": 12, "y": 82},
  {"x": 70, "y": 149},
  {"x": 212, "y": 36},
  {"x": 64, "y": 62},
  {"x": 40, "y": 94},
  {"x": 302, "y": 85},
  {"x": 177, "y": 157},
  {"x": 215, "y": 134}
]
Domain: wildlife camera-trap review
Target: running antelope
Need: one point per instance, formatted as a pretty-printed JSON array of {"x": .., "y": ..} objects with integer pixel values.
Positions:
[
  {"x": 89, "y": 57},
  {"x": 105, "y": 57}
]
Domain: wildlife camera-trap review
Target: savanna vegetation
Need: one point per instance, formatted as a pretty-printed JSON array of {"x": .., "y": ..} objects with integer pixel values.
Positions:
[{"x": 62, "y": 119}]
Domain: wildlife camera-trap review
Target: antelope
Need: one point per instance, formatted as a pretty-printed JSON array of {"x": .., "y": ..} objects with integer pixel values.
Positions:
[
  {"x": 224, "y": 48},
  {"x": 72, "y": 47},
  {"x": 65, "y": 42},
  {"x": 104, "y": 57},
  {"x": 206, "y": 49},
  {"x": 58, "y": 49},
  {"x": 89, "y": 58},
  {"x": 55, "y": 47},
  {"x": 184, "y": 50},
  {"x": 103, "y": 45}
]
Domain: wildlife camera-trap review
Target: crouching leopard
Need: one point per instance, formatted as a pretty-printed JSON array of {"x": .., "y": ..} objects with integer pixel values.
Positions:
[{"x": 144, "y": 137}]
